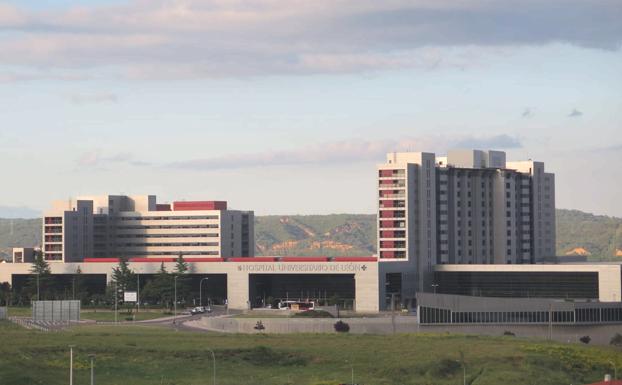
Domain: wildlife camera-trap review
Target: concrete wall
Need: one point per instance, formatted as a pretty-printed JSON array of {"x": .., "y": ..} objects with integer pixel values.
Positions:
[{"x": 378, "y": 325}]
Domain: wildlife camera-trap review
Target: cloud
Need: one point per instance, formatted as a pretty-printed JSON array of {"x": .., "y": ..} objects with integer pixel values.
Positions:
[
  {"x": 575, "y": 113},
  {"x": 492, "y": 142},
  {"x": 93, "y": 98},
  {"x": 18, "y": 212},
  {"x": 221, "y": 38},
  {"x": 347, "y": 151},
  {"x": 97, "y": 159},
  {"x": 527, "y": 113}
]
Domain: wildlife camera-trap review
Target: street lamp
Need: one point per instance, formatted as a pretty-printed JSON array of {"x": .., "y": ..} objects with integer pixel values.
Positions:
[
  {"x": 352, "y": 371},
  {"x": 214, "y": 364},
  {"x": 434, "y": 286},
  {"x": 201, "y": 291},
  {"x": 71, "y": 364},
  {"x": 92, "y": 357},
  {"x": 115, "y": 301},
  {"x": 38, "y": 295},
  {"x": 175, "y": 300},
  {"x": 463, "y": 371},
  {"x": 615, "y": 370}
]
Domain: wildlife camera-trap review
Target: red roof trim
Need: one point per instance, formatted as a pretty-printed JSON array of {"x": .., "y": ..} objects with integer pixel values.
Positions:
[
  {"x": 355, "y": 259},
  {"x": 304, "y": 259},
  {"x": 252, "y": 259}
]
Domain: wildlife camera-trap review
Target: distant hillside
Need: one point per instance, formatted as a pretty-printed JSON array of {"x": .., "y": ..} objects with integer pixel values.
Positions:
[
  {"x": 598, "y": 237},
  {"x": 17, "y": 233},
  {"x": 336, "y": 234}
]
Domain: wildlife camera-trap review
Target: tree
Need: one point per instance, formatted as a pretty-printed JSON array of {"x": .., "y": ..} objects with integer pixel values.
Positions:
[
  {"x": 79, "y": 289},
  {"x": 616, "y": 340},
  {"x": 123, "y": 276},
  {"x": 183, "y": 283},
  {"x": 159, "y": 289},
  {"x": 5, "y": 292},
  {"x": 41, "y": 275},
  {"x": 181, "y": 266}
]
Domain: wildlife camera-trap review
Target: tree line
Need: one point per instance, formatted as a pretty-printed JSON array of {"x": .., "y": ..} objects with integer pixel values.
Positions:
[{"x": 158, "y": 290}]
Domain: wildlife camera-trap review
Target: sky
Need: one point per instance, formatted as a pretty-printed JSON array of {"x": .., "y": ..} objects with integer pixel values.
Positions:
[{"x": 285, "y": 107}]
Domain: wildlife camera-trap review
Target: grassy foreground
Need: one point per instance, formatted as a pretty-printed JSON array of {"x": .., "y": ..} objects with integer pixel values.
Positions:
[
  {"x": 149, "y": 355},
  {"x": 98, "y": 314}
]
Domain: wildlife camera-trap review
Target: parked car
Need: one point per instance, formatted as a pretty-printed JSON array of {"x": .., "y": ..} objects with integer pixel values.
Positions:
[{"x": 197, "y": 310}]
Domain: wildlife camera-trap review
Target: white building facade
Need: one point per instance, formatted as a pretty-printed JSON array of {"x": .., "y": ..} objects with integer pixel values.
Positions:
[
  {"x": 469, "y": 207},
  {"x": 113, "y": 226}
]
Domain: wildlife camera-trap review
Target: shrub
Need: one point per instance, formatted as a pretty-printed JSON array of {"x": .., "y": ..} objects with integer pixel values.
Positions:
[
  {"x": 445, "y": 368},
  {"x": 616, "y": 340},
  {"x": 585, "y": 339},
  {"x": 342, "y": 327},
  {"x": 509, "y": 333}
]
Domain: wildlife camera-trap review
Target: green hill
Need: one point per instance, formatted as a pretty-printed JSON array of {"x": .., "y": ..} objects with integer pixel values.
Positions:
[{"x": 599, "y": 237}]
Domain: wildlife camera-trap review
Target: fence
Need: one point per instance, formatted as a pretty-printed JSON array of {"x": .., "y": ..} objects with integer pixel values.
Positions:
[{"x": 56, "y": 310}]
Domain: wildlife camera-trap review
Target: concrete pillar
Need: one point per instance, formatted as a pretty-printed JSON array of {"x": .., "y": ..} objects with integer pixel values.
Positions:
[
  {"x": 238, "y": 290},
  {"x": 366, "y": 290}
]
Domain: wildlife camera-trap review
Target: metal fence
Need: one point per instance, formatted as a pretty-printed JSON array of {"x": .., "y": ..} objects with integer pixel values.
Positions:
[
  {"x": 3, "y": 312},
  {"x": 56, "y": 310}
]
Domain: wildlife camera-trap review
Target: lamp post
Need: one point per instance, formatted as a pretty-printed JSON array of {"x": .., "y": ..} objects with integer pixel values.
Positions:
[
  {"x": 463, "y": 371},
  {"x": 351, "y": 372},
  {"x": 92, "y": 357},
  {"x": 137, "y": 292},
  {"x": 38, "y": 293},
  {"x": 615, "y": 370},
  {"x": 175, "y": 300},
  {"x": 214, "y": 366},
  {"x": 71, "y": 364},
  {"x": 201, "y": 291},
  {"x": 115, "y": 302}
]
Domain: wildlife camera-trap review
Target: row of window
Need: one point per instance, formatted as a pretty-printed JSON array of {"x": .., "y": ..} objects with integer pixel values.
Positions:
[
  {"x": 172, "y": 218},
  {"x": 589, "y": 315},
  {"x": 146, "y": 227},
  {"x": 174, "y": 244}
]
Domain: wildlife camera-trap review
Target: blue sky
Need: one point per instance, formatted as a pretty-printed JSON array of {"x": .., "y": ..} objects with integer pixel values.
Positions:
[{"x": 286, "y": 107}]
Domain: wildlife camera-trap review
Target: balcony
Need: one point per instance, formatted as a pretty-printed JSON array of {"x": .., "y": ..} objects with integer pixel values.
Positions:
[
  {"x": 392, "y": 254},
  {"x": 392, "y": 194},
  {"x": 400, "y": 173},
  {"x": 391, "y": 204},
  {"x": 383, "y": 184},
  {"x": 384, "y": 224},
  {"x": 392, "y": 234},
  {"x": 53, "y": 220},
  {"x": 53, "y": 229}
]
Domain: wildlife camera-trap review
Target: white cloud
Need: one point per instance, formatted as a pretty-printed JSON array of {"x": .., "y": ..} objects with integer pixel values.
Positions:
[
  {"x": 93, "y": 98},
  {"x": 215, "y": 38},
  {"x": 347, "y": 151}
]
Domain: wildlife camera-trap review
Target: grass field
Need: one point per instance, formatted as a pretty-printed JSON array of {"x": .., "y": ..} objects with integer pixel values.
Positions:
[
  {"x": 140, "y": 355},
  {"x": 97, "y": 315}
]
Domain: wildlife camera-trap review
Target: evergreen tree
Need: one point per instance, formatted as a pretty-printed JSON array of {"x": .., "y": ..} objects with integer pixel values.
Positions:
[
  {"x": 160, "y": 288},
  {"x": 124, "y": 278},
  {"x": 183, "y": 281},
  {"x": 5, "y": 292},
  {"x": 181, "y": 266},
  {"x": 79, "y": 288},
  {"x": 40, "y": 278}
]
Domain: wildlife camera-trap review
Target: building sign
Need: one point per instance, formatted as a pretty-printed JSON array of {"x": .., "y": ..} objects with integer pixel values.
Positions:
[
  {"x": 130, "y": 296},
  {"x": 302, "y": 268}
]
